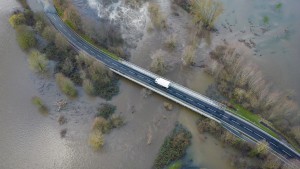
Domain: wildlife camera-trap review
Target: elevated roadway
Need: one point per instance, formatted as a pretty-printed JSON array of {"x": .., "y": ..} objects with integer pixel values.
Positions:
[{"x": 177, "y": 93}]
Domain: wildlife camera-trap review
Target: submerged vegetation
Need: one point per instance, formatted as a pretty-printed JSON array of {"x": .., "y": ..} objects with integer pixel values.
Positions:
[
  {"x": 96, "y": 140},
  {"x": 38, "y": 62},
  {"x": 158, "y": 64},
  {"x": 243, "y": 84},
  {"x": 205, "y": 12},
  {"x": 66, "y": 85},
  {"x": 37, "y": 101},
  {"x": 157, "y": 18},
  {"x": 173, "y": 148}
]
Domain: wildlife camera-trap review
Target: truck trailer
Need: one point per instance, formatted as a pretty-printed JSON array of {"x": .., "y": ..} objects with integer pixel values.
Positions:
[{"x": 162, "y": 82}]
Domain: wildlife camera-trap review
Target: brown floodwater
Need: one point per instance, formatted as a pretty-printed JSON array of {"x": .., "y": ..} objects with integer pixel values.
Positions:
[{"x": 31, "y": 140}]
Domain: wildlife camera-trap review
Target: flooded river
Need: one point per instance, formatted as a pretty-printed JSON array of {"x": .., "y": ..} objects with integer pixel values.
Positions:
[{"x": 31, "y": 140}]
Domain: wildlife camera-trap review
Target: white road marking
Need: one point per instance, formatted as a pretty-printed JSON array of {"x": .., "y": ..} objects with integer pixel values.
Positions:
[
  {"x": 179, "y": 94},
  {"x": 224, "y": 116},
  {"x": 248, "y": 129},
  {"x": 235, "y": 122},
  {"x": 92, "y": 52},
  {"x": 287, "y": 153},
  {"x": 200, "y": 104},
  {"x": 189, "y": 99},
  {"x": 60, "y": 25},
  {"x": 258, "y": 135},
  {"x": 273, "y": 144}
]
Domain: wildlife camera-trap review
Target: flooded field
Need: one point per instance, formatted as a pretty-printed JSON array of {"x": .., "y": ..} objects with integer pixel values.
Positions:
[{"x": 29, "y": 139}]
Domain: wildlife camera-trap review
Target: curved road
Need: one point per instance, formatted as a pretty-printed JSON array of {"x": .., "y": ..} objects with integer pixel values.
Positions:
[{"x": 224, "y": 117}]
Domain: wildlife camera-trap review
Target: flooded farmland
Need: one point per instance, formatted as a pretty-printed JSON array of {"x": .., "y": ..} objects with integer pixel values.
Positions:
[{"x": 29, "y": 139}]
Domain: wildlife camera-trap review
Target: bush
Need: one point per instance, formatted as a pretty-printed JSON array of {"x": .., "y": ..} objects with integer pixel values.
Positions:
[
  {"x": 174, "y": 147},
  {"x": 156, "y": 16},
  {"x": 189, "y": 55},
  {"x": 66, "y": 85},
  {"x": 88, "y": 87},
  {"x": 158, "y": 63},
  {"x": 104, "y": 81},
  {"x": 37, "y": 101},
  {"x": 38, "y": 62},
  {"x": 116, "y": 121},
  {"x": 205, "y": 12},
  {"x": 101, "y": 124},
  {"x": 24, "y": 4},
  {"x": 25, "y": 37},
  {"x": 176, "y": 165},
  {"x": 49, "y": 34},
  {"x": 96, "y": 140},
  {"x": 170, "y": 42},
  {"x": 60, "y": 42},
  {"x": 106, "y": 110},
  {"x": 17, "y": 19}
]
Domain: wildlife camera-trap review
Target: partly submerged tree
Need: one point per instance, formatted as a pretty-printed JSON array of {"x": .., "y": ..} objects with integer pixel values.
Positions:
[
  {"x": 205, "y": 12},
  {"x": 158, "y": 63},
  {"x": 38, "y": 62}
]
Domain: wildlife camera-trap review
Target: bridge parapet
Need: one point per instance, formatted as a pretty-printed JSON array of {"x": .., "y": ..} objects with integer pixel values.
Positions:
[{"x": 177, "y": 86}]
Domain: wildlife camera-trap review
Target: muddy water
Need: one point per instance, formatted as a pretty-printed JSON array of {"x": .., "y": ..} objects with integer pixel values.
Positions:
[
  {"x": 278, "y": 52},
  {"x": 27, "y": 139}
]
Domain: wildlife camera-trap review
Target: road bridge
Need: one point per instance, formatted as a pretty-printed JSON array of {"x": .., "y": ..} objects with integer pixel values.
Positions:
[{"x": 176, "y": 92}]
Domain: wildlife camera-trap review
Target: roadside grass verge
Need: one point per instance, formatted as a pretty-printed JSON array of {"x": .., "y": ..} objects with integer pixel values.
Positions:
[
  {"x": 90, "y": 41},
  {"x": 251, "y": 117}
]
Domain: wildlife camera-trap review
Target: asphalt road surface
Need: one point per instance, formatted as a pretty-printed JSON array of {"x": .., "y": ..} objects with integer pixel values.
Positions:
[{"x": 219, "y": 114}]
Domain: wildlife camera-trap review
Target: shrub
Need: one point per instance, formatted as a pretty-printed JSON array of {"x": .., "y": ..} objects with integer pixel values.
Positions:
[
  {"x": 49, "y": 34},
  {"x": 170, "y": 42},
  {"x": 61, "y": 120},
  {"x": 37, "y": 101},
  {"x": 60, "y": 5},
  {"x": 189, "y": 55},
  {"x": 174, "y": 147},
  {"x": 261, "y": 149},
  {"x": 25, "y": 37},
  {"x": 38, "y": 62},
  {"x": 106, "y": 110},
  {"x": 24, "y": 4},
  {"x": 278, "y": 6},
  {"x": 60, "y": 42},
  {"x": 17, "y": 19},
  {"x": 156, "y": 16},
  {"x": 88, "y": 87},
  {"x": 185, "y": 4},
  {"x": 176, "y": 165},
  {"x": 96, "y": 140},
  {"x": 116, "y": 121},
  {"x": 104, "y": 81},
  {"x": 66, "y": 85},
  {"x": 101, "y": 124},
  {"x": 158, "y": 63},
  {"x": 205, "y": 12},
  {"x": 266, "y": 20},
  {"x": 71, "y": 16}
]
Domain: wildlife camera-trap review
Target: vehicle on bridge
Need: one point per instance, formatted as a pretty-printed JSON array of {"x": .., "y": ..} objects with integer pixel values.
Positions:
[{"x": 162, "y": 82}]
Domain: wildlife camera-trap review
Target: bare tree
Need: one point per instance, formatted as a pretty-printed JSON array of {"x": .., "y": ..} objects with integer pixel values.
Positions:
[
  {"x": 189, "y": 55},
  {"x": 158, "y": 63},
  {"x": 205, "y": 12},
  {"x": 272, "y": 162}
]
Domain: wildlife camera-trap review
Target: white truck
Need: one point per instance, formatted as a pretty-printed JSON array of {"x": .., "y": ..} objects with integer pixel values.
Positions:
[{"x": 162, "y": 82}]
